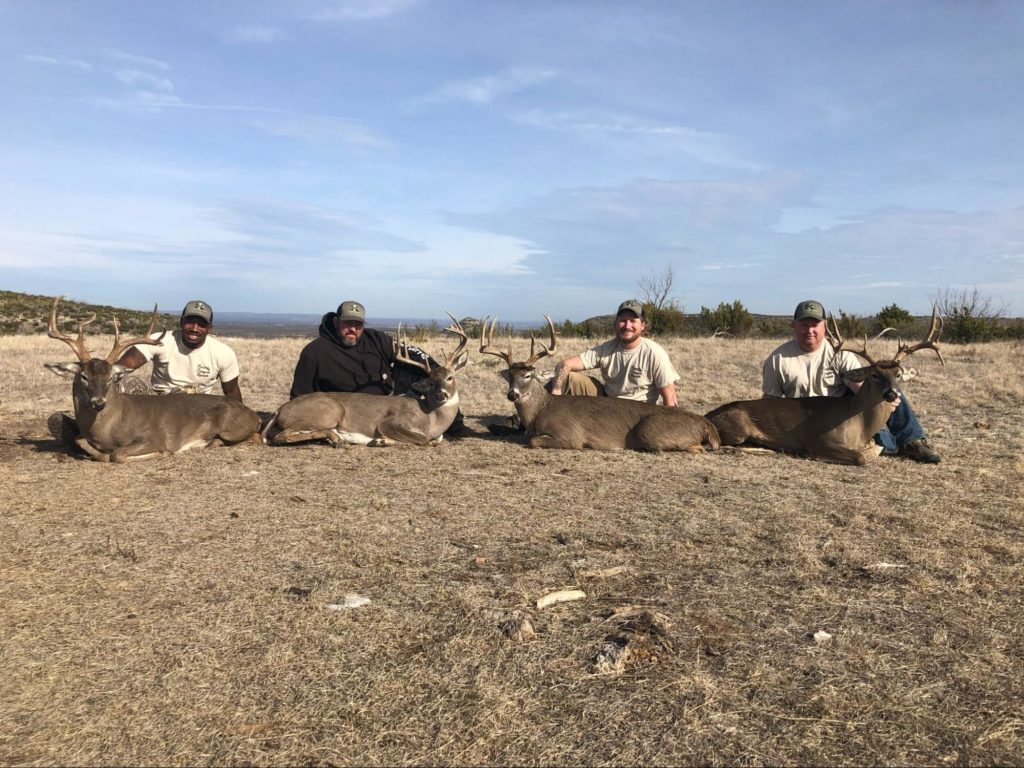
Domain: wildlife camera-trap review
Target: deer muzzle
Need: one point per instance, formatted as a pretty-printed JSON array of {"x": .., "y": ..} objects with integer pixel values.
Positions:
[
  {"x": 890, "y": 395},
  {"x": 97, "y": 403}
]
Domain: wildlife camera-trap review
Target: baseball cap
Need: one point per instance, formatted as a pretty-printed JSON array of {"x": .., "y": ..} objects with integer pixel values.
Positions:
[
  {"x": 352, "y": 310},
  {"x": 634, "y": 306},
  {"x": 809, "y": 308},
  {"x": 197, "y": 308}
]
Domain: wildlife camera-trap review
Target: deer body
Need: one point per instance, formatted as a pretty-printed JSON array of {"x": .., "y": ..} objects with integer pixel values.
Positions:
[
  {"x": 357, "y": 418},
  {"x": 116, "y": 427},
  {"x": 597, "y": 423},
  {"x": 834, "y": 429}
]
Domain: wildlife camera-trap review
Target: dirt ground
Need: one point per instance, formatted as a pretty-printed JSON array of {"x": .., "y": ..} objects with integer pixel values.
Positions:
[{"x": 738, "y": 609}]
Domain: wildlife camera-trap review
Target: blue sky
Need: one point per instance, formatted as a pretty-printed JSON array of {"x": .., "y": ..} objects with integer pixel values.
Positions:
[{"x": 511, "y": 158}]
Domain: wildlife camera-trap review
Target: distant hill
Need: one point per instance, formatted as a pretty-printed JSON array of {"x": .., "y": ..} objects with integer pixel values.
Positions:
[{"x": 27, "y": 313}]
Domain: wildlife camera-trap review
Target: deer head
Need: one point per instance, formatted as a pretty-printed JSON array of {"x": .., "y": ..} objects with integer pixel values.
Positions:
[
  {"x": 93, "y": 376},
  {"x": 439, "y": 387},
  {"x": 884, "y": 376},
  {"x": 519, "y": 375}
]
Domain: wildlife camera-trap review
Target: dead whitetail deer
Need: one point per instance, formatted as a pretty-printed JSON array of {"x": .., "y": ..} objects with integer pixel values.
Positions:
[
  {"x": 834, "y": 429},
  {"x": 599, "y": 423},
  {"x": 357, "y": 418},
  {"x": 118, "y": 427}
]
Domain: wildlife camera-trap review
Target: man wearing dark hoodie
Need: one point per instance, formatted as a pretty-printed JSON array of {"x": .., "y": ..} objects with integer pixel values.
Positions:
[{"x": 349, "y": 357}]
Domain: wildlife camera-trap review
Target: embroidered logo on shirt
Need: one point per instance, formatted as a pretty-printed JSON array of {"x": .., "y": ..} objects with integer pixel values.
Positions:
[{"x": 203, "y": 370}]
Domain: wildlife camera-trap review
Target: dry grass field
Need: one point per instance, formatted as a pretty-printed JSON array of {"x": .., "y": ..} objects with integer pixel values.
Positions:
[{"x": 190, "y": 610}]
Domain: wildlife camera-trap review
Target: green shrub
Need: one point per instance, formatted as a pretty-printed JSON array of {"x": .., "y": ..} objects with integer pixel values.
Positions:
[
  {"x": 893, "y": 316},
  {"x": 733, "y": 319},
  {"x": 667, "y": 320}
]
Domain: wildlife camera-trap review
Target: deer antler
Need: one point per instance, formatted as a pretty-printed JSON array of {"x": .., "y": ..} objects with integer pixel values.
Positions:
[
  {"x": 457, "y": 329},
  {"x": 78, "y": 345},
  {"x": 402, "y": 352},
  {"x": 544, "y": 351},
  {"x": 120, "y": 346},
  {"x": 835, "y": 338},
  {"x": 931, "y": 341},
  {"x": 486, "y": 336}
]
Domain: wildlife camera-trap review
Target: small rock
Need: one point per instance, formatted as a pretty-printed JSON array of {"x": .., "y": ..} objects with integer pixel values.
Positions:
[{"x": 821, "y": 637}]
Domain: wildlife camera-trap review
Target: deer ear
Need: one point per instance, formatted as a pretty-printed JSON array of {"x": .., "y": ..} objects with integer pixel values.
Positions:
[
  {"x": 67, "y": 370},
  {"x": 120, "y": 371},
  {"x": 460, "y": 361},
  {"x": 422, "y": 386},
  {"x": 857, "y": 374}
]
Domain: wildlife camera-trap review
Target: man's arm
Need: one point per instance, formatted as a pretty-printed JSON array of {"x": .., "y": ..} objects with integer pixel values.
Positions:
[
  {"x": 132, "y": 359},
  {"x": 771, "y": 382},
  {"x": 562, "y": 371},
  {"x": 231, "y": 389},
  {"x": 668, "y": 395},
  {"x": 305, "y": 376}
]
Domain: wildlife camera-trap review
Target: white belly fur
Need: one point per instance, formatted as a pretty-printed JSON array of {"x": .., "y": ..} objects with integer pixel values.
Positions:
[{"x": 353, "y": 438}]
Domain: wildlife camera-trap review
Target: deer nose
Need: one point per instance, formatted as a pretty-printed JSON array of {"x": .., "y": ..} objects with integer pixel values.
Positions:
[
  {"x": 513, "y": 395},
  {"x": 891, "y": 395},
  {"x": 98, "y": 403}
]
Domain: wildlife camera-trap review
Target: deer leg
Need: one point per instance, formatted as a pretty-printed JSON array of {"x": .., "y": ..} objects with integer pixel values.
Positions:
[
  {"x": 547, "y": 441},
  {"x": 136, "y": 451},
  {"x": 91, "y": 450}
]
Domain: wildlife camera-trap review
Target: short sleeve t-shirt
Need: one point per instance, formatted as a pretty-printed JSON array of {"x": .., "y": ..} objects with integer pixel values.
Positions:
[
  {"x": 791, "y": 372},
  {"x": 177, "y": 367},
  {"x": 635, "y": 374}
]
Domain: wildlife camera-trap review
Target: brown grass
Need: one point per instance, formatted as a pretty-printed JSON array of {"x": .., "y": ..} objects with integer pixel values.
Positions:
[{"x": 175, "y": 611}]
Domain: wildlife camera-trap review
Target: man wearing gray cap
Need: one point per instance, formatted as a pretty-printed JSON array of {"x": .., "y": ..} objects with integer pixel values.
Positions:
[
  {"x": 632, "y": 367},
  {"x": 186, "y": 360},
  {"x": 189, "y": 359},
  {"x": 806, "y": 366},
  {"x": 349, "y": 357}
]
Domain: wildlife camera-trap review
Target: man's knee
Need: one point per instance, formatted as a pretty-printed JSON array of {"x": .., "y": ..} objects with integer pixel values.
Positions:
[{"x": 582, "y": 385}]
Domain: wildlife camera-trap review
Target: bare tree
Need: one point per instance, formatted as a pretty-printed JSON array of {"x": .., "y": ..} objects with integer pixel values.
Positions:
[{"x": 656, "y": 288}]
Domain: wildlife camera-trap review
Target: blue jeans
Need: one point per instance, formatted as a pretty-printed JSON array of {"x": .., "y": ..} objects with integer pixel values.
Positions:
[{"x": 901, "y": 428}]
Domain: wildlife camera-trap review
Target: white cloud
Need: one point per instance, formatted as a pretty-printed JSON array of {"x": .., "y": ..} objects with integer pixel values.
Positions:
[
  {"x": 144, "y": 79},
  {"x": 254, "y": 33},
  {"x": 143, "y": 61},
  {"x": 57, "y": 62},
  {"x": 318, "y": 129},
  {"x": 358, "y": 10},
  {"x": 482, "y": 90},
  {"x": 707, "y": 146}
]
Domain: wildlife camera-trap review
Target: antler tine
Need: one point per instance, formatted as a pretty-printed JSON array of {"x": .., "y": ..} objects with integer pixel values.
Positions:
[
  {"x": 832, "y": 332},
  {"x": 457, "y": 329},
  {"x": 78, "y": 345},
  {"x": 402, "y": 352},
  {"x": 544, "y": 351},
  {"x": 487, "y": 335},
  {"x": 120, "y": 346},
  {"x": 931, "y": 340},
  {"x": 835, "y": 338}
]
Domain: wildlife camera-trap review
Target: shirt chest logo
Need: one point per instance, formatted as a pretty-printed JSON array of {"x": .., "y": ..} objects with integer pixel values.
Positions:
[{"x": 203, "y": 370}]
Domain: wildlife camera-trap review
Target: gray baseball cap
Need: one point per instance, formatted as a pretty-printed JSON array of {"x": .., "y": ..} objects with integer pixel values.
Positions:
[
  {"x": 809, "y": 308},
  {"x": 352, "y": 310},
  {"x": 633, "y": 305},
  {"x": 197, "y": 308}
]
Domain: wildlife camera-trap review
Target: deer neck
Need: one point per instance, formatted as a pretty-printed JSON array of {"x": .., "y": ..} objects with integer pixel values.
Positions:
[
  {"x": 870, "y": 406},
  {"x": 532, "y": 402}
]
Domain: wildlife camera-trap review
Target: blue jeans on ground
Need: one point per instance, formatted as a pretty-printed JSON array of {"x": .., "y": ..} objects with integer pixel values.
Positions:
[{"x": 901, "y": 428}]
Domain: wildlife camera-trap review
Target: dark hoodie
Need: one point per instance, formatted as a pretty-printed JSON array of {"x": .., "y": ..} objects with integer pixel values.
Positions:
[{"x": 325, "y": 365}]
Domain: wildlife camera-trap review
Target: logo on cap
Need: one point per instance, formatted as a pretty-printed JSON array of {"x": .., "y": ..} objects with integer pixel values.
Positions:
[
  {"x": 198, "y": 309},
  {"x": 809, "y": 308},
  {"x": 351, "y": 310},
  {"x": 634, "y": 306}
]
